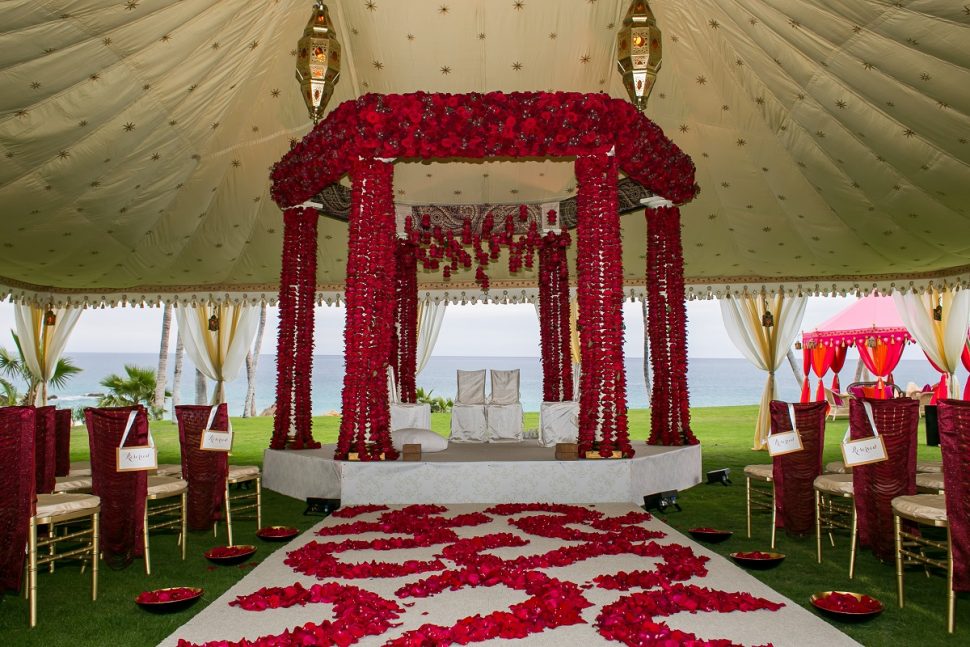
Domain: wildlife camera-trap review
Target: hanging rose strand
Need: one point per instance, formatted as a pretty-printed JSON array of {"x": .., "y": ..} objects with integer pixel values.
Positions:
[
  {"x": 557, "y": 376},
  {"x": 404, "y": 337},
  {"x": 365, "y": 421}
]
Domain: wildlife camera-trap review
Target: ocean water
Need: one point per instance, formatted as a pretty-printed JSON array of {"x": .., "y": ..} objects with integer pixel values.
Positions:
[{"x": 712, "y": 382}]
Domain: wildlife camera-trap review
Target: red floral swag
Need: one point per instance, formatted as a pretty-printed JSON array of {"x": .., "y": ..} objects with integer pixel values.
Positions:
[{"x": 404, "y": 344}]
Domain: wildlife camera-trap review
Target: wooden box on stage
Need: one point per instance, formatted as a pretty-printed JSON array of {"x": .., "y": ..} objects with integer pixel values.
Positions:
[
  {"x": 567, "y": 451},
  {"x": 411, "y": 452}
]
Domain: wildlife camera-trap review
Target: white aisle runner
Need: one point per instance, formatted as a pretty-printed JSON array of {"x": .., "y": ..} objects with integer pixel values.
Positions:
[{"x": 788, "y": 625}]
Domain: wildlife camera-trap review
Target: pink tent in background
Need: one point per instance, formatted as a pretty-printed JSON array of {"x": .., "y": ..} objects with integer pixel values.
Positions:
[{"x": 872, "y": 325}]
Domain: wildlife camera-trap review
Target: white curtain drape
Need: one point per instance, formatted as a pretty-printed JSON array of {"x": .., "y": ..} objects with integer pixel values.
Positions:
[
  {"x": 43, "y": 345},
  {"x": 943, "y": 340},
  {"x": 764, "y": 347},
  {"x": 430, "y": 316},
  {"x": 218, "y": 354}
]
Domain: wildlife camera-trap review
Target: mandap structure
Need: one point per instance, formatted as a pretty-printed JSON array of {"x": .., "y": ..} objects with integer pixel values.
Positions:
[{"x": 366, "y": 136}]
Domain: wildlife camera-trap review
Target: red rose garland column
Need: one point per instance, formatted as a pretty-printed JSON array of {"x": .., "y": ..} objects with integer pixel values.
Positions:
[
  {"x": 602, "y": 404},
  {"x": 295, "y": 339},
  {"x": 365, "y": 423},
  {"x": 404, "y": 346},
  {"x": 667, "y": 329},
  {"x": 557, "y": 378}
]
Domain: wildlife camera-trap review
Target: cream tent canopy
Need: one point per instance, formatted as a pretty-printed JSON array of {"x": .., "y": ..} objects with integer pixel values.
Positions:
[{"x": 831, "y": 138}]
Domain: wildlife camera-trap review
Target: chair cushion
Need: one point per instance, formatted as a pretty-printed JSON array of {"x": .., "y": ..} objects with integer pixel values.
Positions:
[
  {"x": 931, "y": 507},
  {"x": 932, "y": 482},
  {"x": 468, "y": 423},
  {"x": 504, "y": 422},
  {"x": 80, "y": 468},
  {"x": 929, "y": 467},
  {"x": 158, "y": 485},
  {"x": 837, "y": 467},
  {"x": 840, "y": 484},
  {"x": 71, "y": 483},
  {"x": 558, "y": 423},
  {"x": 471, "y": 387},
  {"x": 758, "y": 471},
  {"x": 237, "y": 472},
  {"x": 430, "y": 441},
  {"x": 505, "y": 387},
  {"x": 169, "y": 469},
  {"x": 49, "y": 505}
]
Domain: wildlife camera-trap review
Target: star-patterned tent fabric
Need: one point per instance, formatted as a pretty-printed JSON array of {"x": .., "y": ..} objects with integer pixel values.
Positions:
[{"x": 831, "y": 138}]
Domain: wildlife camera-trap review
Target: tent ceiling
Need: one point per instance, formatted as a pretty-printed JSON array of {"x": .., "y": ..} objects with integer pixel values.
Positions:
[{"x": 831, "y": 138}]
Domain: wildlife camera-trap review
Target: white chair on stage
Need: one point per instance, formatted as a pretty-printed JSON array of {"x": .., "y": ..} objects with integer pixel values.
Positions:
[
  {"x": 558, "y": 423},
  {"x": 405, "y": 415},
  {"x": 503, "y": 413},
  {"x": 468, "y": 412}
]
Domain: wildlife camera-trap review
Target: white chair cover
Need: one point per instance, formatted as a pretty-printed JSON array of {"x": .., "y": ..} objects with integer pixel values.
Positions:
[
  {"x": 504, "y": 422},
  {"x": 471, "y": 387},
  {"x": 558, "y": 423},
  {"x": 505, "y": 387},
  {"x": 468, "y": 423},
  {"x": 410, "y": 416}
]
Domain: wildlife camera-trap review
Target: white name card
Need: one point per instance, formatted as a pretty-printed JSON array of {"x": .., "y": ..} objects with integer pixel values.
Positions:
[
  {"x": 139, "y": 458},
  {"x": 214, "y": 440},
  {"x": 865, "y": 450},
  {"x": 786, "y": 443}
]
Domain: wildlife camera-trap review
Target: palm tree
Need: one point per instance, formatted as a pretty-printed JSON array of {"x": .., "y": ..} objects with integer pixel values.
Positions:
[
  {"x": 15, "y": 366},
  {"x": 249, "y": 407},
  {"x": 137, "y": 388},
  {"x": 162, "y": 373},
  {"x": 8, "y": 393},
  {"x": 438, "y": 404},
  {"x": 177, "y": 376}
]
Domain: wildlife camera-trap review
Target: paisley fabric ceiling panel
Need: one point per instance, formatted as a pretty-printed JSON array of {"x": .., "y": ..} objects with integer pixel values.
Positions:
[{"x": 136, "y": 138}]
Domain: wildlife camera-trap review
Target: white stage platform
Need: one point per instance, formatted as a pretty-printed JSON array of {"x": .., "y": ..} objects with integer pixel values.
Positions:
[{"x": 483, "y": 473}]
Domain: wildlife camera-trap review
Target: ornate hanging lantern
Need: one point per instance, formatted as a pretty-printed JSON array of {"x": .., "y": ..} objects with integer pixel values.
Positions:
[
  {"x": 639, "y": 52},
  {"x": 872, "y": 342},
  {"x": 213, "y": 324},
  {"x": 318, "y": 61},
  {"x": 798, "y": 345},
  {"x": 938, "y": 312},
  {"x": 49, "y": 317},
  {"x": 767, "y": 319}
]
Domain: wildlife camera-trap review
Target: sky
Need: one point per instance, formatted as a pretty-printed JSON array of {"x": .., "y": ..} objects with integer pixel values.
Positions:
[{"x": 483, "y": 330}]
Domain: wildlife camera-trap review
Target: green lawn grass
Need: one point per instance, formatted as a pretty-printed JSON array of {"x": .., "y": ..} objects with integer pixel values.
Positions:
[{"x": 67, "y": 616}]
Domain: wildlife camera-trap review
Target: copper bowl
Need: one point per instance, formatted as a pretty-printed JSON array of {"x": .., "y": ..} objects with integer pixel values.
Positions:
[
  {"x": 762, "y": 562},
  {"x": 229, "y": 555},
  {"x": 277, "y": 533},
  {"x": 710, "y": 535},
  {"x": 183, "y": 598},
  {"x": 847, "y": 615}
]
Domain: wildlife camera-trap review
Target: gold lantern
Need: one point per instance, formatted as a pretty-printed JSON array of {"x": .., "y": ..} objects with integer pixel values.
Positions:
[
  {"x": 767, "y": 319},
  {"x": 213, "y": 324},
  {"x": 318, "y": 61},
  {"x": 49, "y": 317},
  {"x": 639, "y": 52}
]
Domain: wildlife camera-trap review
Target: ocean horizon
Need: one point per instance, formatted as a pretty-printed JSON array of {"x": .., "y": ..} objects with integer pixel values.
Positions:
[{"x": 712, "y": 381}]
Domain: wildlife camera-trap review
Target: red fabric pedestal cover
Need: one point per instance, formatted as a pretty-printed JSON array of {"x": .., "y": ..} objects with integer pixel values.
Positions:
[
  {"x": 122, "y": 493},
  {"x": 44, "y": 449},
  {"x": 875, "y": 485},
  {"x": 205, "y": 471},
  {"x": 954, "y": 424},
  {"x": 17, "y": 496},
  {"x": 793, "y": 474},
  {"x": 62, "y": 442}
]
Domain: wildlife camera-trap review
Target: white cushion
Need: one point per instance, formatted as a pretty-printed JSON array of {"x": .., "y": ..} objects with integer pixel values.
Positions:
[
  {"x": 169, "y": 469},
  {"x": 929, "y": 467},
  {"x": 243, "y": 472},
  {"x": 468, "y": 423},
  {"x": 933, "y": 482},
  {"x": 759, "y": 472},
  {"x": 505, "y": 387},
  {"x": 922, "y": 506},
  {"x": 165, "y": 485},
  {"x": 504, "y": 422},
  {"x": 49, "y": 505},
  {"x": 410, "y": 416},
  {"x": 72, "y": 483},
  {"x": 837, "y": 467},
  {"x": 558, "y": 423},
  {"x": 840, "y": 484},
  {"x": 80, "y": 468},
  {"x": 471, "y": 387},
  {"x": 429, "y": 440}
]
